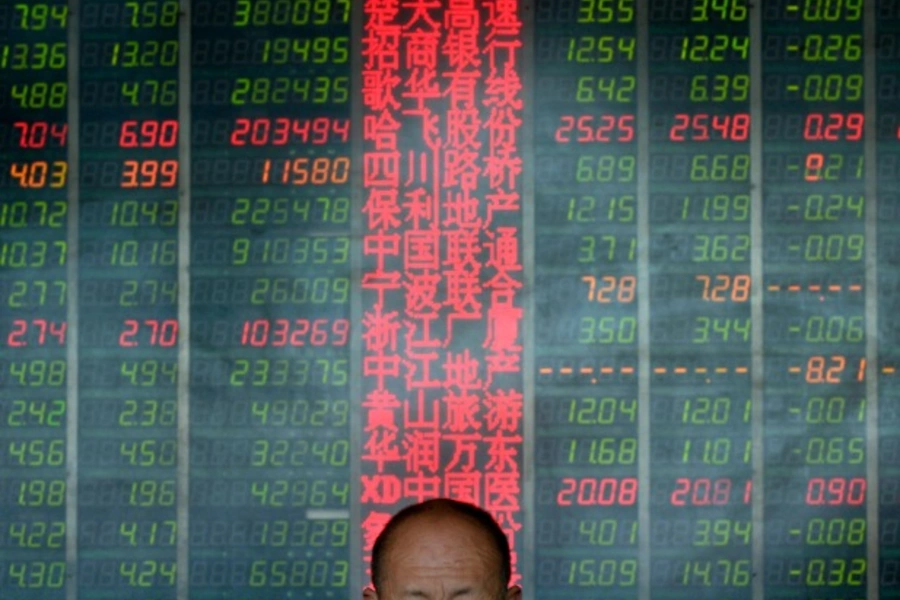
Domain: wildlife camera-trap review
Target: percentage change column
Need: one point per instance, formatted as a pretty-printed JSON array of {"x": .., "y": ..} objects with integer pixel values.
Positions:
[{"x": 814, "y": 299}]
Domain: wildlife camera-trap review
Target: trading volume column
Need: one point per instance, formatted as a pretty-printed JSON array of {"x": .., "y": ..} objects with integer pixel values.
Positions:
[
  {"x": 128, "y": 328},
  {"x": 700, "y": 245},
  {"x": 270, "y": 293},
  {"x": 814, "y": 299},
  {"x": 33, "y": 326},
  {"x": 586, "y": 293}
]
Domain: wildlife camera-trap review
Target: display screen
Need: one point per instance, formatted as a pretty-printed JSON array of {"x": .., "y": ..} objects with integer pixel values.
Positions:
[{"x": 624, "y": 273}]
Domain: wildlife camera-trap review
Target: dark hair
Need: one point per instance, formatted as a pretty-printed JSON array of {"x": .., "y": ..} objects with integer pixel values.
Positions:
[{"x": 479, "y": 516}]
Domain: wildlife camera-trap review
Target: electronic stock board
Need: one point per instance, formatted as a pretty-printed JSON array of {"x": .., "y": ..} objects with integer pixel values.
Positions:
[{"x": 623, "y": 272}]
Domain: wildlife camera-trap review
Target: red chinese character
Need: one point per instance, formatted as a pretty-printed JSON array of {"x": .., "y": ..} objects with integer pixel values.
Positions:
[
  {"x": 461, "y": 45},
  {"x": 463, "y": 289},
  {"x": 462, "y": 88},
  {"x": 503, "y": 453},
  {"x": 462, "y": 412},
  {"x": 463, "y": 244},
  {"x": 422, "y": 17},
  {"x": 420, "y": 207},
  {"x": 422, "y": 450},
  {"x": 381, "y": 281},
  {"x": 461, "y": 372},
  {"x": 465, "y": 447},
  {"x": 422, "y": 49},
  {"x": 503, "y": 18},
  {"x": 425, "y": 416},
  {"x": 503, "y": 251},
  {"x": 378, "y": 90},
  {"x": 418, "y": 364},
  {"x": 381, "y": 448},
  {"x": 503, "y": 326},
  {"x": 380, "y": 12},
  {"x": 419, "y": 87},
  {"x": 501, "y": 493},
  {"x": 504, "y": 410},
  {"x": 421, "y": 249},
  {"x": 372, "y": 525},
  {"x": 381, "y": 410},
  {"x": 463, "y": 486},
  {"x": 500, "y": 200},
  {"x": 422, "y": 301},
  {"x": 463, "y": 128},
  {"x": 420, "y": 487},
  {"x": 382, "y": 209},
  {"x": 381, "y": 244},
  {"x": 380, "y": 329},
  {"x": 381, "y": 48},
  {"x": 460, "y": 169},
  {"x": 381, "y": 128},
  {"x": 417, "y": 171},
  {"x": 381, "y": 169},
  {"x": 501, "y": 53}
]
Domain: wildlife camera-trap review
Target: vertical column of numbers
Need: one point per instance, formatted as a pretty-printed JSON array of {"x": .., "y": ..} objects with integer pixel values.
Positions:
[
  {"x": 33, "y": 326},
  {"x": 270, "y": 259},
  {"x": 128, "y": 331},
  {"x": 585, "y": 104},
  {"x": 814, "y": 265},
  {"x": 699, "y": 173}
]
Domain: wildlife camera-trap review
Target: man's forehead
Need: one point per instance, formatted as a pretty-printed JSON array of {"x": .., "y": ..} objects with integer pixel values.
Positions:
[{"x": 441, "y": 538}]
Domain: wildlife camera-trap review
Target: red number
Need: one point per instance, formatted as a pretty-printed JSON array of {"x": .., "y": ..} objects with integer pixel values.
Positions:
[
  {"x": 301, "y": 330},
  {"x": 43, "y": 329},
  {"x": 40, "y": 174},
  {"x": 833, "y": 127},
  {"x": 820, "y": 370},
  {"x": 697, "y": 127},
  {"x": 815, "y": 161},
  {"x": 127, "y": 337},
  {"x": 735, "y": 288},
  {"x": 40, "y": 133},
  {"x": 702, "y": 491},
  {"x": 149, "y": 134},
  {"x": 163, "y": 333},
  {"x": 255, "y": 333},
  {"x": 566, "y": 126},
  {"x": 282, "y": 131},
  {"x": 149, "y": 173},
  {"x": 318, "y": 332},
  {"x": 836, "y": 491},
  {"x": 611, "y": 128},
  {"x": 239, "y": 135},
  {"x": 16, "y": 337},
  {"x": 589, "y": 491}
]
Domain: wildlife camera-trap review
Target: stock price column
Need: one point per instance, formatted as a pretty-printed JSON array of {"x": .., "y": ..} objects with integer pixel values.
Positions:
[
  {"x": 128, "y": 328},
  {"x": 270, "y": 288},
  {"x": 814, "y": 299},
  {"x": 887, "y": 92},
  {"x": 33, "y": 246},
  {"x": 700, "y": 243},
  {"x": 586, "y": 299}
]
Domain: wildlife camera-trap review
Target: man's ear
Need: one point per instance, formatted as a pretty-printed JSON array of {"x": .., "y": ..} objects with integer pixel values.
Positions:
[
  {"x": 369, "y": 593},
  {"x": 514, "y": 592}
]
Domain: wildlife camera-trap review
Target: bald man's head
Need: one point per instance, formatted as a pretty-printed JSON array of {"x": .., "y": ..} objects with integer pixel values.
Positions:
[{"x": 445, "y": 541}]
